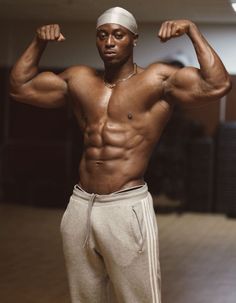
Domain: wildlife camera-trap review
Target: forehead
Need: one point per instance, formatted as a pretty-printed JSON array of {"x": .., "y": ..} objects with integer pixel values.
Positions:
[{"x": 110, "y": 27}]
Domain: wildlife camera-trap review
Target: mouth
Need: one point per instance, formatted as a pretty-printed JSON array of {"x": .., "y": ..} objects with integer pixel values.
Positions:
[{"x": 109, "y": 53}]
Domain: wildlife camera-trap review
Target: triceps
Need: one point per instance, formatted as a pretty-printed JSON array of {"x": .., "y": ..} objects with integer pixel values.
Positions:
[{"x": 45, "y": 90}]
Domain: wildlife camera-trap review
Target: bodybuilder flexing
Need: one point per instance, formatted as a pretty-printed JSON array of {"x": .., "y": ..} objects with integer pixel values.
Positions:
[{"x": 109, "y": 230}]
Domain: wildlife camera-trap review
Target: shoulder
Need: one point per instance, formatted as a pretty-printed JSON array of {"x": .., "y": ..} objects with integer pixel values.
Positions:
[
  {"x": 158, "y": 73},
  {"x": 77, "y": 71},
  {"x": 162, "y": 70}
]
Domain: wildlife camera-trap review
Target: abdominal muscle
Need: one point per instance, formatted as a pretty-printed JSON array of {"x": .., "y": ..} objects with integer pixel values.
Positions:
[{"x": 115, "y": 157}]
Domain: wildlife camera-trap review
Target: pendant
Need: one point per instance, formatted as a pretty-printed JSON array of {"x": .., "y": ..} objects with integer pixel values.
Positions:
[{"x": 110, "y": 85}]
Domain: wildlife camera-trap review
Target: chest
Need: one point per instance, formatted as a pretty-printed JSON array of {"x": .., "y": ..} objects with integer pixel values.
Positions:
[
  {"x": 126, "y": 100},
  {"x": 135, "y": 103}
]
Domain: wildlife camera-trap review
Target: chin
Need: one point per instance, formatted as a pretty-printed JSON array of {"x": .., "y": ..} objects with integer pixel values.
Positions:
[{"x": 112, "y": 61}]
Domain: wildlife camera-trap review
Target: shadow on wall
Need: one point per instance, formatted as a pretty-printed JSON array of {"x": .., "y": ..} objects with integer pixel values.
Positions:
[
  {"x": 168, "y": 170},
  {"x": 39, "y": 153}
]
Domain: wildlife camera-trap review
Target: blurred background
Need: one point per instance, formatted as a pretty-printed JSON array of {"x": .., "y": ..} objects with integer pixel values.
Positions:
[{"x": 192, "y": 173}]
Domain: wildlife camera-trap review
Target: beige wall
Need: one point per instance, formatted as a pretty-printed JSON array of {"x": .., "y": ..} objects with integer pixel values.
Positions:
[{"x": 79, "y": 48}]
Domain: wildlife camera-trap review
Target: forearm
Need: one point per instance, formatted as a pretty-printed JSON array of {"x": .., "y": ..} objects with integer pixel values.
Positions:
[
  {"x": 27, "y": 65},
  {"x": 27, "y": 85},
  {"x": 212, "y": 69}
]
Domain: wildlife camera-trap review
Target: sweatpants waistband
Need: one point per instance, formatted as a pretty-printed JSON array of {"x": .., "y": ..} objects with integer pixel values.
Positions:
[
  {"x": 135, "y": 192},
  {"x": 125, "y": 195}
]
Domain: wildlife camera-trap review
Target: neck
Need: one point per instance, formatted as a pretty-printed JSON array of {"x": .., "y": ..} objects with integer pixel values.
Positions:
[{"x": 116, "y": 72}]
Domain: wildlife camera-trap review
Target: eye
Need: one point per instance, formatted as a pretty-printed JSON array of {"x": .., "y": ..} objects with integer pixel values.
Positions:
[
  {"x": 119, "y": 36},
  {"x": 101, "y": 35}
]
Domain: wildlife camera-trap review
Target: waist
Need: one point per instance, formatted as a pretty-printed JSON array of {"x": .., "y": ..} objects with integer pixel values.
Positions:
[
  {"x": 136, "y": 192},
  {"x": 110, "y": 176}
]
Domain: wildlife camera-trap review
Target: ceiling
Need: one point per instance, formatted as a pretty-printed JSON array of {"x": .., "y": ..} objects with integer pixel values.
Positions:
[{"x": 204, "y": 11}]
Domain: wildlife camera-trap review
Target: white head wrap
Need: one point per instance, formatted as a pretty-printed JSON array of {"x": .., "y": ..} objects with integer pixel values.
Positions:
[{"x": 119, "y": 16}]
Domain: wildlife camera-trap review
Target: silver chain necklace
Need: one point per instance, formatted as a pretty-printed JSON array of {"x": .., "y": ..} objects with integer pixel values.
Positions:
[{"x": 112, "y": 85}]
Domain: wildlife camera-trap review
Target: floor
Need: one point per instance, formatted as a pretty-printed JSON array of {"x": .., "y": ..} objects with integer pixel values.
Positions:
[{"x": 198, "y": 257}]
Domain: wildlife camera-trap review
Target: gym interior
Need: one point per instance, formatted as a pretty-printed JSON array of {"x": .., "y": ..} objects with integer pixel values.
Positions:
[{"x": 191, "y": 175}]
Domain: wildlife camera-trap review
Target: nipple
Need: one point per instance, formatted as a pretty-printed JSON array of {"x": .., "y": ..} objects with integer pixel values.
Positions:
[{"x": 130, "y": 116}]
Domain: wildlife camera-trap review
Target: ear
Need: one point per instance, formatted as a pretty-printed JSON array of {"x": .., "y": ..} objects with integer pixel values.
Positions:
[{"x": 135, "y": 39}]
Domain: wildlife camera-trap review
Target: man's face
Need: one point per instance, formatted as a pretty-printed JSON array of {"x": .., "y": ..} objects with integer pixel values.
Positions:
[{"x": 115, "y": 43}]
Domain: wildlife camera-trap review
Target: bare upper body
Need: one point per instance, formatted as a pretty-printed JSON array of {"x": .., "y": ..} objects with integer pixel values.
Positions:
[{"x": 122, "y": 124}]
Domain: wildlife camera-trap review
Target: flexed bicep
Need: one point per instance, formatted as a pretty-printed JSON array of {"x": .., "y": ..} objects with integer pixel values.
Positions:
[
  {"x": 187, "y": 86},
  {"x": 191, "y": 85},
  {"x": 46, "y": 90},
  {"x": 27, "y": 84}
]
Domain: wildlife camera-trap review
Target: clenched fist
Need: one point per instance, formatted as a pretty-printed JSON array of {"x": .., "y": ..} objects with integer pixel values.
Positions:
[
  {"x": 50, "y": 32},
  {"x": 173, "y": 29}
]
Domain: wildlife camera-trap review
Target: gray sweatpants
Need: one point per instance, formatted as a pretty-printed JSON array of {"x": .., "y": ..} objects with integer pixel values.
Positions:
[{"x": 110, "y": 245}]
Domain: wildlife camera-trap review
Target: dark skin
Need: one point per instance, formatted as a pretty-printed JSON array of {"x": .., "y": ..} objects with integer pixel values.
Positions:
[{"x": 120, "y": 125}]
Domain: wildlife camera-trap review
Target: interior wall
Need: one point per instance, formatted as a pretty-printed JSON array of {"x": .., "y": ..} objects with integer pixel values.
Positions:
[
  {"x": 206, "y": 115},
  {"x": 231, "y": 103},
  {"x": 209, "y": 115},
  {"x": 79, "y": 47},
  {"x": 27, "y": 145}
]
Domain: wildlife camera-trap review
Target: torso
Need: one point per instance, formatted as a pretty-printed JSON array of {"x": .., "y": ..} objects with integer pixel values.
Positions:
[{"x": 120, "y": 126}]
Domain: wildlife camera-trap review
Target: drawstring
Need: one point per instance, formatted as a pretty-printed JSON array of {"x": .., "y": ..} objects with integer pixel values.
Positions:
[{"x": 90, "y": 206}]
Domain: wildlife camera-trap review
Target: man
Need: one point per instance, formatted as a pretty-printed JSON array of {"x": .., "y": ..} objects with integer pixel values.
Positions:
[{"x": 109, "y": 227}]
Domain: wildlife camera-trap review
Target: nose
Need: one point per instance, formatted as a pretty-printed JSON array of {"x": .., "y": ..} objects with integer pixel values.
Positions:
[{"x": 110, "y": 42}]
